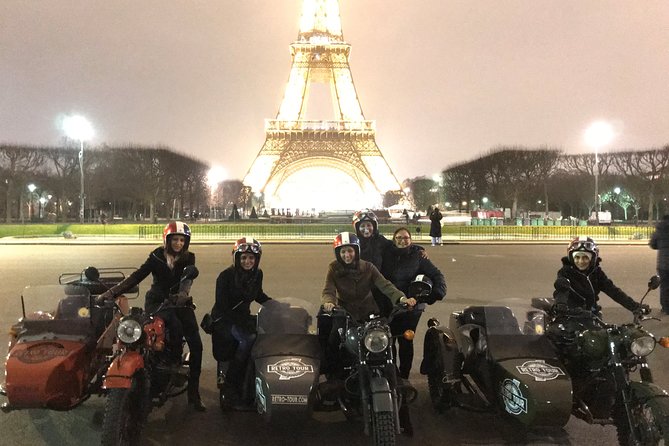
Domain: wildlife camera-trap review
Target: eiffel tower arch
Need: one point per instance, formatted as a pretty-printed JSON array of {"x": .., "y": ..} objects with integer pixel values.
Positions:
[{"x": 323, "y": 164}]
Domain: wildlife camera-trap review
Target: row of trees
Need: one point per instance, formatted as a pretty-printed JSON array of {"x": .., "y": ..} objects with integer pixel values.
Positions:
[
  {"x": 525, "y": 179},
  {"x": 130, "y": 182},
  {"x": 156, "y": 182}
]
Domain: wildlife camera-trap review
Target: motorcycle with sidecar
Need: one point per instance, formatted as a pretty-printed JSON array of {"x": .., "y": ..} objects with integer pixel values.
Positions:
[
  {"x": 141, "y": 375},
  {"x": 557, "y": 366},
  {"x": 60, "y": 347}
]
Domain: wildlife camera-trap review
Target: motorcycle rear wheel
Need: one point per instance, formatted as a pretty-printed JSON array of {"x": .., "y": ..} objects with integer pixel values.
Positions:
[
  {"x": 650, "y": 416},
  {"x": 124, "y": 416},
  {"x": 383, "y": 428}
]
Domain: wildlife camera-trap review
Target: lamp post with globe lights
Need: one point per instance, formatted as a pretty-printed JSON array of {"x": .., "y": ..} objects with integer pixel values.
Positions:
[
  {"x": 79, "y": 128},
  {"x": 597, "y": 135}
]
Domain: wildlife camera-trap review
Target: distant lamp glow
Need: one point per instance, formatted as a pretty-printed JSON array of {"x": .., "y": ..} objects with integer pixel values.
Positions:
[
  {"x": 597, "y": 135},
  {"x": 484, "y": 200},
  {"x": 616, "y": 190},
  {"x": 79, "y": 128},
  {"x": 215, "y": 176}
]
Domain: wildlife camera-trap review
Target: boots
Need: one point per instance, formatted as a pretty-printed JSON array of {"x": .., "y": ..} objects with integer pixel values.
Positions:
[{"x": 194, "y": 399}]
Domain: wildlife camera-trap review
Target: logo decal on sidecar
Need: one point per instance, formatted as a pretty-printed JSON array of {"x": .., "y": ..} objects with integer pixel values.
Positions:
[
  {"x": 514, "y": 401},
  {"x": 41, "y": 353},
  {"x": 539, "y": 370},
  {"x": 290, "y": 368}
]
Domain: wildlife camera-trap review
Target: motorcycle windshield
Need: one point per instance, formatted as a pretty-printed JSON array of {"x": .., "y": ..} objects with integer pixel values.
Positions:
[
  {"x": 500, "y": 321},
  {"x": 287, "y": 315},
  {"x": 56, "y": 302}
]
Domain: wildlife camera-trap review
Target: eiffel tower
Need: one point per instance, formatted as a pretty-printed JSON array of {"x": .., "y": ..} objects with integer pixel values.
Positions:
[{"x": 344, "y": 146}]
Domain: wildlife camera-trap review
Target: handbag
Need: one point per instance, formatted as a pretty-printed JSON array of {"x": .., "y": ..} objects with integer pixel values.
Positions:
[{"x": 207, "y": 324}]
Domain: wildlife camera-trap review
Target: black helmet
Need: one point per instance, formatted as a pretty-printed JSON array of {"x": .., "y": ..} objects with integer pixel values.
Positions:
[
  {"x": 421, "y": 286},
  {"x": 365, "y": 215},
  {"x": 583, "y": 244},
  {"x": 246, "y": 244},
  {"x": 346, "y": 239}
]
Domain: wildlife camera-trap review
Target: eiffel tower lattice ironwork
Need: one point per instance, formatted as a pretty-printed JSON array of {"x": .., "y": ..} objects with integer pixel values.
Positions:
[{"x": 347, "y": 142}]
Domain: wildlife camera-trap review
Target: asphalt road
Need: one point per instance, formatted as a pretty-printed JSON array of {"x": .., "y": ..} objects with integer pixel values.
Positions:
[{"x": 476, "y": 275}]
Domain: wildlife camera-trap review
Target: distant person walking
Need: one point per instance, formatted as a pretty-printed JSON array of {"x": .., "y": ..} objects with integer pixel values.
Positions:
[
  {"x": 660, "y": 241},
  {"x": 435, "y": 226}
]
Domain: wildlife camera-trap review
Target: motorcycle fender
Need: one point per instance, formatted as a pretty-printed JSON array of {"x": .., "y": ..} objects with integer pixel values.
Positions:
[
  {"x": 382, "y": 398},
  {"x": 647, "y": 391},
  {"x": 439, "y": 350},
  {"x": 120, "y": 371}
]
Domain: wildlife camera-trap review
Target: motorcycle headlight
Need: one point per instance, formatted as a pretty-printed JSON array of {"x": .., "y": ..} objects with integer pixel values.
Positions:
[
  {"x": 376, "y": 340},
  {"x": 129, "y": 331},
  {"x": 642, "y": 345}
]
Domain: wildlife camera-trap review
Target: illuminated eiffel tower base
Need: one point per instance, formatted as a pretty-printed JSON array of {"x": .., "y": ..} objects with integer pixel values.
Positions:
[{"x": 320, "y": 164}]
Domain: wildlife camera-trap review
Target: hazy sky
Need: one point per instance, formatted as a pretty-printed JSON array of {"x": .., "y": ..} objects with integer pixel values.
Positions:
[{"x": 445, "y": 80}]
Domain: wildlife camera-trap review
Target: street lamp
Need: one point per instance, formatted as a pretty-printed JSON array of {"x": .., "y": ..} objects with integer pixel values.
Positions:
[
  {"x": 31, "y": 188},
  {"x": 599, "y": 134},
  {"x": 79, "y": 128}
]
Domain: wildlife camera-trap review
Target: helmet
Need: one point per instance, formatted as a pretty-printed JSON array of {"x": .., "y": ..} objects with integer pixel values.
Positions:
[
  {"x": 176, "y": 227},
  {"x": 421, "y": 286},
  {"x": 246, "y": 244},
  {"x": 585, "y": 244},
  {"x": 346, "y": 239},
  {"x": 365, "y": 215}
]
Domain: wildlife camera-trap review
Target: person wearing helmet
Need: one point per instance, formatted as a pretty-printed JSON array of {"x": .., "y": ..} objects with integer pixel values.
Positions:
[
  {"x": 581, "y": 267},
  {"x": 401, "y": 264},
  {"x": 349, "y": 280},
  {"x": 166, "y": 264},
  {"x": 373, "y": 246},
  {"x": 234, "y": 332}
]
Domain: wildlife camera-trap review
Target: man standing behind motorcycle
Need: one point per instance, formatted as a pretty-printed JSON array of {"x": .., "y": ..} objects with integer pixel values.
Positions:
[
  {"x": 402, "y": 262},
  {"x": 587, "y": 279},
  {"x": 234, "y": 331},
  {"x": 166, "y": 264}
]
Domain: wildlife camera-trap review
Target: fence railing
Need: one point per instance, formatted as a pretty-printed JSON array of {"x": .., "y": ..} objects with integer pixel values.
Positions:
[{"x": 420, "y": 232}]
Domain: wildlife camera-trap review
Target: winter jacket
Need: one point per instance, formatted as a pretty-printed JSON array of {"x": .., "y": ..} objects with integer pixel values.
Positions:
[
  {"x": 435, "y": 223},
  {"x": 586, "y": 286},
  {"x": 401, "y": 265},
  {"x": 165, "y": 279},
  {"x": 351, "y": 288},
  {"x": 235, "y": 290},
  {"x": 660, "y": 241},
  {"x": 372, "y": 248}
]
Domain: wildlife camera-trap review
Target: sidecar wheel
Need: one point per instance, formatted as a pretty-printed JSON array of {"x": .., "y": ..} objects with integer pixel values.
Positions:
[
  {"x": 650, "y": 417},
  {"x": 440, "y": 392},
  {"x": 123, "y": 418},
  {"x": 383, "y": 428}
]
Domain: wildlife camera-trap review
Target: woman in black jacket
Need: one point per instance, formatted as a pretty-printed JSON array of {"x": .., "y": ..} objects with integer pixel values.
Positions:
[
  {"x": 234, "y": 329},
  {"x": 401, "y": 264},
  {"x": 166, "y": 265}
]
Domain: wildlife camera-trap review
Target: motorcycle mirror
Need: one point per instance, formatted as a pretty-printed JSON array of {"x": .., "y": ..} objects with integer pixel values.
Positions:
[
  {"x": 92, "y": 274},
  {"x": 562, "y": 284},
  {"x": 654, "y": 282},
  {"x": 190, "y": 273},
  {"x": 409, "y": 335}
]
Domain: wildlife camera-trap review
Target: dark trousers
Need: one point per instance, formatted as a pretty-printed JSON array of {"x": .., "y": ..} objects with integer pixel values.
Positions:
[
  {"x": 191, "y": 332},
  {"x": 664, "y": 289},
  {"x": 401, "y": 323}
]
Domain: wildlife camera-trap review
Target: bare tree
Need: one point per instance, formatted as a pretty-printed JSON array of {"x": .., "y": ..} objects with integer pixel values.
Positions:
[{"x": 17, "y": 163}]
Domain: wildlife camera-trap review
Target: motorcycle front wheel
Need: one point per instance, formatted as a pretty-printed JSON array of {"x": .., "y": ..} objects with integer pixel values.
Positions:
[
  {"x": 383, "y": 428},
  {"x": 649, "y": 410},
  {"x": 125, "y": 412}
]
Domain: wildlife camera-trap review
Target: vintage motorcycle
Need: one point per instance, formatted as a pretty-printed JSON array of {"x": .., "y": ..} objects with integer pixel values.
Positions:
[
  {"x": 60, "y": 348},
  {"x": 140, "y": 375},
  {"x": 283, "y": 370},
  {"x": 370, "y": 385},
  {"x": 603, "y": 360},
  {"x": 483, "y": 362}
]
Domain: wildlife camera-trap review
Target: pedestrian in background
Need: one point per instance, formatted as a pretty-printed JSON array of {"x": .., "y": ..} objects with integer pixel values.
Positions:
[
  {"x": 660, "y": 241},
  {"x": 435, "y": 226}
]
